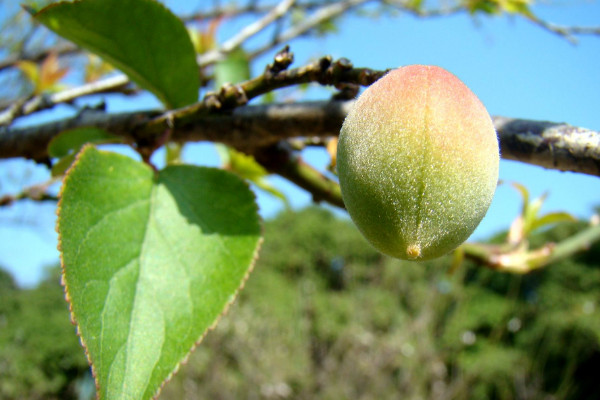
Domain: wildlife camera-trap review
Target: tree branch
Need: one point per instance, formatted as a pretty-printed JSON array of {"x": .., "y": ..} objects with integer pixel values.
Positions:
[
  {"x": 550, "y": 145},
  {"x": 280, "y": 159},
  {"x": 37, "y": 192},
  {"x": 45, "y": 101},
  {"x": 546, "y": 144},
  {"x": 321, "y": 15},
  {"x": 247, "y": 32},
  {"x": 524, "y": 260},
  {"x": 323, "y": 11},
  {"x": 568, "y": 32}
]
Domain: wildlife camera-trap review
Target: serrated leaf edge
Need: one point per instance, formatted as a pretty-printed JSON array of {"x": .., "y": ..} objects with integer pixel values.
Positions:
[
  {"x": 228, "y": 305},
  {"x": 62, "y": 263},
  {"x": 232, "y": 300},
  {"x": 130, "y": 72}
]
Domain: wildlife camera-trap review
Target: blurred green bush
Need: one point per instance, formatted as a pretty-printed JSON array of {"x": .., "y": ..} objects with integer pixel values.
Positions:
[{"x": 323, "y": 316}]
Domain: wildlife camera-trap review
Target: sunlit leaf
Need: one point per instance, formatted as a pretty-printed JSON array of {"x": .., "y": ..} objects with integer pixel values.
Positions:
[
  {"x": 516, "y": 233},
  {"x": 552, "y": 218},
  {"x": 51, "y": 74},
  {"x": 246, "y": 167},
  {"x": 140, "y": 37},
  {"x": 173, "y": 152},
  {"x": 532, "y": 212},
  {"x": 150, "y": 260},
  {"x": 517, "y": 7},
  {"x": 523, "y": 191}
]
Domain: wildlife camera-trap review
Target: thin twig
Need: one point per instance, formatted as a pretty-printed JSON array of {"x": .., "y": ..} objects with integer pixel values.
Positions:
[
  {"x": 36, "y": 193},
  {"x": 246, "y": 33},
  {"x": 45, "y": 101},
  {"x": 521, "y": 261},
  {"x": 321, "y": 15},
  {"x": 61, "y": 50},
  {"x": 280, "y": 159},
  {"x": 234, "y": 10},
  {"x": 323, "y": 12},
  {"x": 568, "y": 32}
]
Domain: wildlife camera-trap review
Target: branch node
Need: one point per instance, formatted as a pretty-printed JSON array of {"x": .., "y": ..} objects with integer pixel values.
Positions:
[
  {"x": 283, "y": 59},
  {"x": 347, "y": 91},
  {"x": 212, "y": 101},
  {"x": 325, "y": 63},
  {"x": 232, "y": 96},
  {"x": 344, "y": 64}
]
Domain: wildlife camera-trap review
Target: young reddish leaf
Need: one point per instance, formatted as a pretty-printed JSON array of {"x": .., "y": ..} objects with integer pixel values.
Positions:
[
  {"x": 140, "y": 37},
  {"x": 51, "y": 73},
  {"x": 150, "y": 261}
]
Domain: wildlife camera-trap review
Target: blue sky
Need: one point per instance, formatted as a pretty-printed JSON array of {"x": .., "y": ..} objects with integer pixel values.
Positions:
[{"x": 517, "y": 69}]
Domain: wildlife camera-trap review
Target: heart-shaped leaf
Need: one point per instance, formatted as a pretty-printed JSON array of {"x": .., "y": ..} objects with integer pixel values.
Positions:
[
  {"x": 140, "y": 37},
  {"x": 150, "y": 261}
]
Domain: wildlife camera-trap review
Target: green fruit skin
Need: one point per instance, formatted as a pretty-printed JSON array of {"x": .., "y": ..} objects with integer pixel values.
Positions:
[{"x": 418, "y": 162}]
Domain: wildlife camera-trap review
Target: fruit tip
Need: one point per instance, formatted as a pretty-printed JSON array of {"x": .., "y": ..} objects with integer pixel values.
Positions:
[{"x": 413, "y": 250}]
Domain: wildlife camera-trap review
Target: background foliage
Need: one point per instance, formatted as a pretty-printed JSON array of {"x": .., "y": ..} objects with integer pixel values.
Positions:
[
  {"x": 354, "y": 324},
  {"x": 323, "y": 316}
]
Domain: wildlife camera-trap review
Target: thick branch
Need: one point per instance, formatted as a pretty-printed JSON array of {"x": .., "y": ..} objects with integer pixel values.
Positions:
[{"x": 547, "y": 144}]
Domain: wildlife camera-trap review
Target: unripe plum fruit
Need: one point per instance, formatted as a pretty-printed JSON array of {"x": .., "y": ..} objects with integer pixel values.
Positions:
[{"x": 417, "y": 162}]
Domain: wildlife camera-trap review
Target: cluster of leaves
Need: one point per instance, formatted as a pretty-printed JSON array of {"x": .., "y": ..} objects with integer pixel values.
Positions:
[{"x": 324, "y": 316}]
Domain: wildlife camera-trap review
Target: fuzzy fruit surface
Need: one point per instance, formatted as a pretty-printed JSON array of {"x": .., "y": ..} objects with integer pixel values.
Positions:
[{"x": 417, "y": 162}]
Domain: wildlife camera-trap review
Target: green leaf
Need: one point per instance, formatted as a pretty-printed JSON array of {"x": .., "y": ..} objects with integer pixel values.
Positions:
[
  {"x": 62, "y": 165},
  {"x": 71, "y": 141},
  {"x": 150, "y": 261},
  {"x": 66, "y": 144},
  {"x": 486, "y": 6},
  {"x": 246, "y": 167},
  {"x": 552, "y": 218},
  {"x": 234, "y": 68},
  {"x": 532, "y": 212},
  {"x": 140, "y": 37},
  {"x": 242, "y": 164},
  {"x": 517, "y": 7},
  {"x": 524, "y": 194}
]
